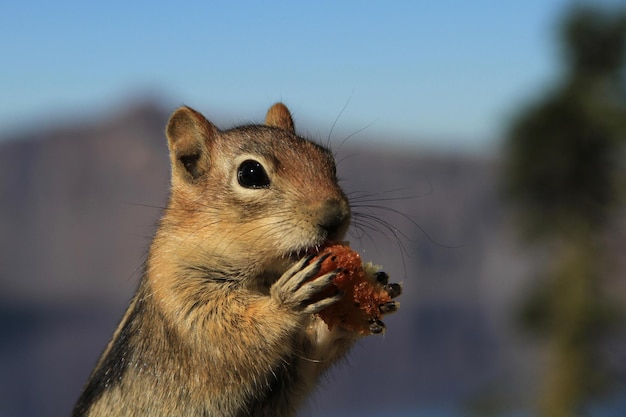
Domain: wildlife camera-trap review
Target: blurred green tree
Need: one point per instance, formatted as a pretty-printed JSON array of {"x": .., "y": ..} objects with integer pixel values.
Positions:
[{"x": 564, "y": 174}]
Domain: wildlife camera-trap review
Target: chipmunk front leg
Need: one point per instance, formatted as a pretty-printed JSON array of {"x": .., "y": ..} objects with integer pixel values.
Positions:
[
  {"x": 295, "y": 290},
  {"x": 317, "y": 346}
]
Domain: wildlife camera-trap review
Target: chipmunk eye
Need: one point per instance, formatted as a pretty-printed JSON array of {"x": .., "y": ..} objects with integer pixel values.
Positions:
[{"x": 251, "y": 174}]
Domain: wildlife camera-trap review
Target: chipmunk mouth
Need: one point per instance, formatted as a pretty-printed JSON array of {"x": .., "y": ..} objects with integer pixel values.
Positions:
[
  {"x": 316, "y": 244},
  {"x": 314, "y": 249},
  {"x": 303, "y": 251}
]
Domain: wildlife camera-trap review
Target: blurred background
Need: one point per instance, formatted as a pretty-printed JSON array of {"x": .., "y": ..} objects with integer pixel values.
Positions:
[{"x": 487, "y": 141}]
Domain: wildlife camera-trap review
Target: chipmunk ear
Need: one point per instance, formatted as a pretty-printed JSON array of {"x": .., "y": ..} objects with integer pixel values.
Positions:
[
  {"x": 188, "y": 134},
  {"x": 278, "y": 116}
]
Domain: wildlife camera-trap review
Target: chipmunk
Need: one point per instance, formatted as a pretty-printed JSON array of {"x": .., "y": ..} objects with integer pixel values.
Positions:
[{"x": 222, "y": 323}]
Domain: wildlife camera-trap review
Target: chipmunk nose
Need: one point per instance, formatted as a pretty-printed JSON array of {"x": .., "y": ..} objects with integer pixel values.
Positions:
[{"x": 334, "y": 218}]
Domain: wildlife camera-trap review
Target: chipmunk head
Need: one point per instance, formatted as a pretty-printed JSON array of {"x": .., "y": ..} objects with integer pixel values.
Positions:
[{"x": 256, "y": 194}]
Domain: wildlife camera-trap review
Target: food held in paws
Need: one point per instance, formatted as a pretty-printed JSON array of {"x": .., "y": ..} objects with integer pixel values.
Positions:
[{"x": 366, "y": 295}]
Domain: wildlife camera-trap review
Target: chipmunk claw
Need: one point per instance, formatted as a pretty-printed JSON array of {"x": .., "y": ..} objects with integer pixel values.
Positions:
[
  {"x": 382, "y": 277},
  {"x": 376, "y": 326},
  {"x": 389, "y": 307},
  {"x": 394, "y": 290},
  {"x": 297, "y": 287}
]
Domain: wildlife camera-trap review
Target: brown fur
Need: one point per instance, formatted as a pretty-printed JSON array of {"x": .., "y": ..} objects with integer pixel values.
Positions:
[{"x": 222, "y": 323}]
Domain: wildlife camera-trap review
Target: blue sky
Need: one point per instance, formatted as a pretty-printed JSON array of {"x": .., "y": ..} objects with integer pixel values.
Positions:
[{"x": 420, "y": 71}]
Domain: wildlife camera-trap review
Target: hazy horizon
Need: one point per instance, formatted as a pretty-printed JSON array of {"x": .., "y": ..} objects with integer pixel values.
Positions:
[{"x": 436, "y": 72}]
